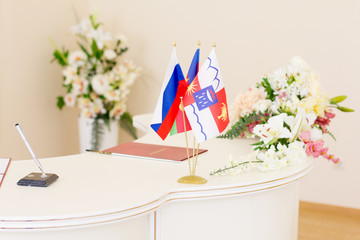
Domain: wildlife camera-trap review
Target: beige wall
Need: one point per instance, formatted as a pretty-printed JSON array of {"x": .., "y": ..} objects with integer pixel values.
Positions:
[
  {"x": 29, "y": 83},
  {"x": 253, "y": 38}
]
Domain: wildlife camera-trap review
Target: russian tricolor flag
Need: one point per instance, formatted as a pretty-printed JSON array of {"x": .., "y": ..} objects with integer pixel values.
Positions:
[{"x": 167, "y": 106}]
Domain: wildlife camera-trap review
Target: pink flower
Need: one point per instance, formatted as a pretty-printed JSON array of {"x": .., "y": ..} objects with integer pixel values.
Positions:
[
  {"x": 329, "y": 115},
  {"x": 314, "y": 148},
  {"x": 252, "y": 125},
  {"x": 331, "y": 157},
  {"x": 324, "y": 121},
  {"x": 324, "y": 152},
  {"x": 305, "y": 136},
  {"x": 243, "y": 103},
  {"x": 282, "y": 95}
]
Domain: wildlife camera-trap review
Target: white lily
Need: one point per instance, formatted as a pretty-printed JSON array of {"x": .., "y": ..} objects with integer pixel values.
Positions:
[
  {"x": 301, "y": 122},
  {"x": 274, "y": 129}
]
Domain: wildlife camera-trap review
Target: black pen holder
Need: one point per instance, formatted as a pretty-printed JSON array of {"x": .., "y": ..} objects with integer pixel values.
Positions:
[{"x": 35, "y": 180}]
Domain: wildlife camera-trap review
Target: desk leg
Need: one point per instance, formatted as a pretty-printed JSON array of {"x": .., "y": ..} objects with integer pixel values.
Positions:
[{"x": 152, "y": 225}]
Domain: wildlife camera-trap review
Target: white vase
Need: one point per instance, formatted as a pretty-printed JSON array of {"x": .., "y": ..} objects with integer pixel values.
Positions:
[{"x": 108, "y": 138}]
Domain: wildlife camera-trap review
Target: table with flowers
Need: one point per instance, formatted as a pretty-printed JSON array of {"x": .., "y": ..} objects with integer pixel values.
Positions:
[{"x": 102, "y": 196}]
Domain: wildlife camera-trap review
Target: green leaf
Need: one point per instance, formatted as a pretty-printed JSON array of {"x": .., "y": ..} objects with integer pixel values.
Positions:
[
  {"x": 270, "y": 92},
  {"x": 272, "y": 141},
  {"x": 60, "y": 102},
  {"x": 331, "y": 134},
  {"x": 126, "y": 123},
  {"x": 107, "y": 123},
  {"x": 345, "y": 109},
  {"x": 60, "y": 57},
  {"x": 337, "y": 99},
  {"x": 95, "y": 49},
  {"x": 84, "y": 50},
  {"x": 69, "y": 88},
  {"x": 97, "y": 133},
  {"x": 246, "y": 119},
  {"x": 258, "y": 143},
  {"x": 291, "y": 79},
  {"x": 93, "y": 19},
  {"x": 241, "y": 126}
]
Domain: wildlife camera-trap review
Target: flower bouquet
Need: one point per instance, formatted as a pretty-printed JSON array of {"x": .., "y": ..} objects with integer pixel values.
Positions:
[
  {"x": 289, "y": 114},
  {"x": 94, "y": 78}
]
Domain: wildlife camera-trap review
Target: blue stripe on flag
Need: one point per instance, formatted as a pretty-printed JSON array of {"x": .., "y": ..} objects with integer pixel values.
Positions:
[
  {"x": 156, "y": 126},
  {"x": 171, "y": 90},
  {"x": 194, "y": 66}
]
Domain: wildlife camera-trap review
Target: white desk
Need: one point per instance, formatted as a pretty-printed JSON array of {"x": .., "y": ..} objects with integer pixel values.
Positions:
[{"x": 109, "y": 197}]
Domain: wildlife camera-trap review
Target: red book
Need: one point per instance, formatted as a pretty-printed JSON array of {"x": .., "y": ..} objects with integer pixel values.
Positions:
[
  {"x": 4, "y": 166},
  {"x": 151, "y": 151}
]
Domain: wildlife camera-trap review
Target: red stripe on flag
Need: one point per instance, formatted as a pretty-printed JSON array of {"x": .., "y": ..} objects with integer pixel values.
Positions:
[
  {"x": 168, "y": 122},
  {"x": 220, "y": 111},
  {"x": 180, "y": 123}
]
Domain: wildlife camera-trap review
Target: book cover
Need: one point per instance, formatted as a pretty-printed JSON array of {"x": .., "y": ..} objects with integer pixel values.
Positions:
[{"x": 153, "y": 151}]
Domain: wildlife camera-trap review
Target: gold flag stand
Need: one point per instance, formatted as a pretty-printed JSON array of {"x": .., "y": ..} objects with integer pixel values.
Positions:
[{"x": 192, "y": 178}]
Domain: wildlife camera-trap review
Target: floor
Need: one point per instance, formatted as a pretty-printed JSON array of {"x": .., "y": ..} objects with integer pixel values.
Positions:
[{"x": 325, "y": 222}]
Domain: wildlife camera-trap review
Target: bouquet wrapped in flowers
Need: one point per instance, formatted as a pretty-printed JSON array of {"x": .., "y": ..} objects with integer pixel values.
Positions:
[
  {"x": 94, "y": 78},
  {"x": 289, "y": 114}
]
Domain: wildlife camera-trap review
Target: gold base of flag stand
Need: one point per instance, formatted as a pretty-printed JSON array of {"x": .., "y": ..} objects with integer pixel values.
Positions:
[{"x": 192, "y": 178}]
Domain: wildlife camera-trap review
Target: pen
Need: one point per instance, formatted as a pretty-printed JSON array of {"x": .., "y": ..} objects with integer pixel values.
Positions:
[
  {"x": 30, "y": 150},
  {"x": 101, "y": 152}
]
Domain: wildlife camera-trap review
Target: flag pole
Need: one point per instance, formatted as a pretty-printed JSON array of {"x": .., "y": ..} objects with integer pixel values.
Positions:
[
  {"x": 186, "y": 138},
  {"x": 193, "y": 159},
  {"x": 197, "y": 154},
  {"x": 194, "y": 162}
]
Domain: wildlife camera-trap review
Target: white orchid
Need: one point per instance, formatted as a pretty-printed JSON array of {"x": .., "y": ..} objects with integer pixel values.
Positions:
[
  {"x": 262, "y": 105},
  {"x": 270, "y": 160},
  {"x": 98, "y": 106},
  {"x": 277, "y": 79},
  {"x": 84, "y": 103},
  {"x": 70, "y": 99},
  {"x": 69, "y": 73},
  {"x": 81, "y": 28},
  {"x": 100, "y": 84},
  {"x": 272, "y": 130},
  {"x": 99, "y": 36},
  {"x": 123, "y": 40},
  {"x": 113, "y": 95},
  {"x": 110, "y": 54},
  {"x": 118, "y": 110},
  {"x": 295, "y": 153},
  {"x": 80, "y": 85},
  {"x": 77, "y": 58}
]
